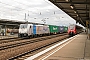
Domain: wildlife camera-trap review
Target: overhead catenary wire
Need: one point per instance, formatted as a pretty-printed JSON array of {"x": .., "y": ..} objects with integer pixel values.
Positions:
[
  {"x": 22, "y": 3},
  {"x": 17, "y": 7},
  {"x": 27, "y": 11},
  {"x": 54, "y": 7},
  {"x": 37, "y": 9},
  {"x": 11, "y": 10},
  {"x": 28, "y": 6},
  {"x": 20, "y": 8},
  {"x": 54, "y": 12}
]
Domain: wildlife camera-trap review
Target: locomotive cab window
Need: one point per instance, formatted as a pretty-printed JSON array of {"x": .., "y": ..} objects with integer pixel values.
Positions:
[
  {"x": 23, "y": 26},
  {"x": 71, "y": 27}
]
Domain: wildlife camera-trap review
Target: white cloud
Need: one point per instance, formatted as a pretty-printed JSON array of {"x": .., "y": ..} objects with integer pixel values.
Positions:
[{"x": 37, "y": 10}]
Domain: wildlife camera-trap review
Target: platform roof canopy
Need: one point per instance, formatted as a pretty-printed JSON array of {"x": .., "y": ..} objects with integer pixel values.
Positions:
[
  {"x": 77, "y": 9},
  {"x": 15, "y": 22},
  {"x": 10, "y": 22}
]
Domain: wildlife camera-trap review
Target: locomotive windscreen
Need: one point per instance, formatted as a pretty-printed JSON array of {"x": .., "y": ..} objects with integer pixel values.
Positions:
[
  {"x": 71, "y": 27},
  {"x": 23, "y": 26}
]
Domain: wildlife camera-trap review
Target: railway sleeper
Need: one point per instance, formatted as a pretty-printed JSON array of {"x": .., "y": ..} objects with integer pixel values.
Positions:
[{"x": 31, "y": 51}]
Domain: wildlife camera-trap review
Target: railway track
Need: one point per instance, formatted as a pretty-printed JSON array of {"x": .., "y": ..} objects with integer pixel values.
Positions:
[
  {"x": 39, "y": 43},
  {"x": 24, "y": 42},
  {"x": 29, "y": 53},
  {"x": 6, "y": 40}
]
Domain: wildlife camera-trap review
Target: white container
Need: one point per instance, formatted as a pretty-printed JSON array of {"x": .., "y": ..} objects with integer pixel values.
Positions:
[
  {"x": 46, "y": 29},
  {"x": 39, "y": 29}
]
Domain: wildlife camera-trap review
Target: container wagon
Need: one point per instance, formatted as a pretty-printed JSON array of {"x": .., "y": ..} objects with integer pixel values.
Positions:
[
  {"x": 46, "y": 30},
  {"x": 53, "y": 29},
  {"x": 65, "y": 29},
  {"x": 40, "y": 30},
  {"x": 61, "y": 29}
]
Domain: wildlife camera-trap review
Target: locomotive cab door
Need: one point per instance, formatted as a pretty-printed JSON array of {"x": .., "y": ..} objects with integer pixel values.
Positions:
[{"x": 30, "y": 30}]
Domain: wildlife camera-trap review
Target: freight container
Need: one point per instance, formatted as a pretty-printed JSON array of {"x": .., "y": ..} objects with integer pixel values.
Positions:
[
  {"x": 34, "y": 29},
  {"x": 53, "y": 29},
  {"x": 65, "y": 29},
  {"x": 46, "y": 29},
  {"x": 39, "y": 29},
  {"x": 61, "y": 29}
]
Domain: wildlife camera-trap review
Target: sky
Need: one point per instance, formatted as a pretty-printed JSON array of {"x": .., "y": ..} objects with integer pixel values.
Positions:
[{"x": 37, "y": 11}]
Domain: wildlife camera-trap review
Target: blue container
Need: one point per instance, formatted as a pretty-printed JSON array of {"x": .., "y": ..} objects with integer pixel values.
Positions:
[
  {"x": 61, "y": 29},
  {"x": 34, "y": 29}
]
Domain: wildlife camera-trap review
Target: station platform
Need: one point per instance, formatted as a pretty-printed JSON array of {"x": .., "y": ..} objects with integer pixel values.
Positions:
[
  {"x": 9, "y": 36},
  {"x": 77, "y": 48}
]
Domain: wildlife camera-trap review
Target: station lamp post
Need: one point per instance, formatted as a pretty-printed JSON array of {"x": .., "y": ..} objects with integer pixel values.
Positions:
[
  {"x": 26, "y": 18},
  {"x": 88, "y": 28}
]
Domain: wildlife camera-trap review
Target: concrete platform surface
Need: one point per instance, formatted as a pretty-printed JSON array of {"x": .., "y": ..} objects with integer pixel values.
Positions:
[
  {"x": 9, "y": 36},
  {"x": 77, "y": 49}
]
